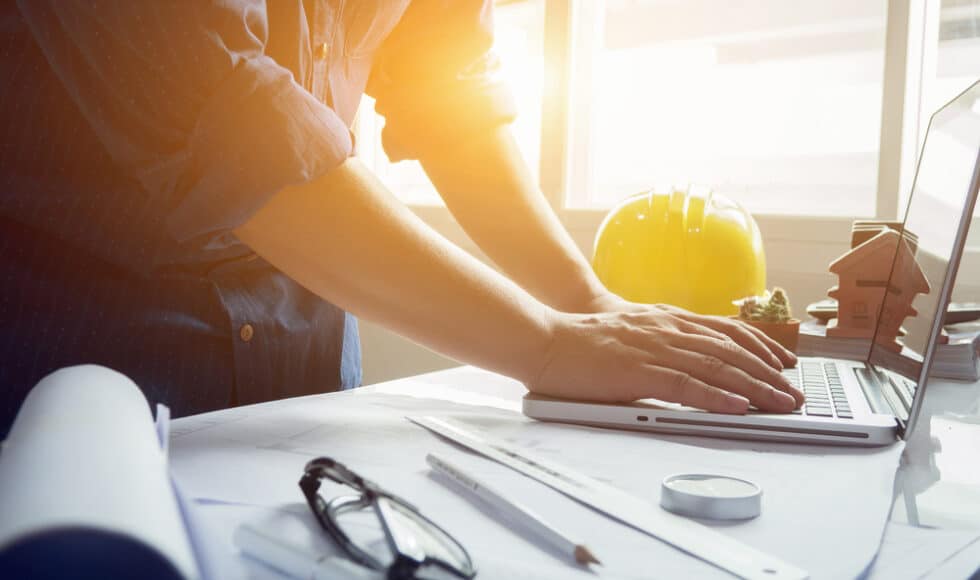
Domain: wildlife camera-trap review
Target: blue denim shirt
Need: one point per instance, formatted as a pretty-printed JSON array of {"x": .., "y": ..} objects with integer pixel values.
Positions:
[{"x": 135, "y": 136}]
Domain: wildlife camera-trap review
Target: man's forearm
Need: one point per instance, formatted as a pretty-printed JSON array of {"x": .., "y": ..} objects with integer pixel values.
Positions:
[
  {"x": 490, "y": 191},
  {"x": 347, "y": 239}
]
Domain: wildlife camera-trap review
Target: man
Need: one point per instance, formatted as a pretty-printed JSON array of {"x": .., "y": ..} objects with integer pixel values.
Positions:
[{"x": 180, "y": 202}]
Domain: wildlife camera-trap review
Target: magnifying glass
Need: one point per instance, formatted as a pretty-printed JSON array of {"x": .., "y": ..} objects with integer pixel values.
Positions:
[{"x": 716, "y": 497}]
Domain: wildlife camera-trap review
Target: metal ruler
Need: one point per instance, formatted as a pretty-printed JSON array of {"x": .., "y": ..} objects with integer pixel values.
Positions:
[{"x": 689, "y": 536}]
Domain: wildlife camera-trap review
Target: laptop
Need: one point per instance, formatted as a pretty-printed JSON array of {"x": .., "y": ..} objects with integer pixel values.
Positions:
[{"x": 869, "y": 402}]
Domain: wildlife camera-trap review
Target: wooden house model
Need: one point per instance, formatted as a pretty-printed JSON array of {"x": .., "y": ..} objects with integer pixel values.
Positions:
[{"x": 863, "y": 274}]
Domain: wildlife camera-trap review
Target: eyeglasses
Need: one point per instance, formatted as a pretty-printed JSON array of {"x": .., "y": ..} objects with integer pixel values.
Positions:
[{"x": 380, "y": 530}]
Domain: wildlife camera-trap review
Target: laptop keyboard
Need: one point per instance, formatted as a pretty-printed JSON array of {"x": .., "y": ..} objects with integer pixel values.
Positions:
[{"x": 820, "y": 382}]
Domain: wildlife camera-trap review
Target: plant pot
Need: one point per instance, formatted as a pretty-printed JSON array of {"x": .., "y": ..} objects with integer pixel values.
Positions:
[{"x": 785, "y": 333}]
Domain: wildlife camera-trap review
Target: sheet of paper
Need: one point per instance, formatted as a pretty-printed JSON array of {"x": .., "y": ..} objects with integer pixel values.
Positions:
[
  {"x": 817, "y": 500},
  {"x": 83, "y": 451},
  {"x": 639, "y": 513},
  {"x": 913, "y": 552},
  {"x": 161, "y": 423},
  {"x": 963, "y": 564},
  {"x": 293, "y": 523}
]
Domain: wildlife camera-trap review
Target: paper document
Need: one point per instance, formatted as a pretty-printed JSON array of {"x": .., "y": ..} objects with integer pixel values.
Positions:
[
  {"x": 83, "y": 457},
  {"x": 817, "y": 500},
  {"x": 911, "y": 552},
  {"x": 682, "y": 533}
]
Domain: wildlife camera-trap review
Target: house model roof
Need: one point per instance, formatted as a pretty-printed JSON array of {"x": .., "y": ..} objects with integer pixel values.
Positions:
[
  {"x": 872, "y": 258},
  {"x": 908, "y": 276}
]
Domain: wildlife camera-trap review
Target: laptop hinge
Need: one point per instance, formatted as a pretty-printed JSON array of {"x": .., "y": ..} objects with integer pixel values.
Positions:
[{"x": 880, "y": 393}]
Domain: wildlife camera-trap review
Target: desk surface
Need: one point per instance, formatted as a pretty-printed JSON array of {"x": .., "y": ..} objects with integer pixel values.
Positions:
[
  {"x": 938, "y": 483},
  {"x": 937, "y": 486}
]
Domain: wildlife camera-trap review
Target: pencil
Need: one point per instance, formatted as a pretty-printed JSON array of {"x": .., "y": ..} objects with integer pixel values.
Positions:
[{"x": 514, "y": 511}]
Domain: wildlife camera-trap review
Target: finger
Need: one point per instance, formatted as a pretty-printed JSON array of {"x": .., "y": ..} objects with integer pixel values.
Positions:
[
  {"x": 759, "y": 367},
  {"x": 747, "y": 341},
  {"x": 716, "y": 372},
  {"x": 746, "y": 336},
  {"x": 785, "y": 355},
  {"x": 669, "y": 384},
  {"x": 679, "y": 322},
  {"x": 735, "y": 355},
  {"x": 692, "y": 327}
]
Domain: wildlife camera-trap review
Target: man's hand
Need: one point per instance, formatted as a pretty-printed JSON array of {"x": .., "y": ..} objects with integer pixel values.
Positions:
[
  {"x": 746, "y": 335},
  {"x": 665, "y": 353}
]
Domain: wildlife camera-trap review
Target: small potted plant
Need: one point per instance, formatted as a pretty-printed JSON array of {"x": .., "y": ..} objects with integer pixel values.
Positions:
[{"x": 771, "y": 314}]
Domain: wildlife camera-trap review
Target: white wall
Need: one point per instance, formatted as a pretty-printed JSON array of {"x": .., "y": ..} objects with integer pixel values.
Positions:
[{"x": 387, "y": 356}]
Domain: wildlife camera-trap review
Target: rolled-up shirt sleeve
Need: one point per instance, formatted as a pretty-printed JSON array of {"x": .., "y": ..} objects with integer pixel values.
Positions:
[
  {"x": 436, "y": 79},
  {"x": 186, "y": 101}
]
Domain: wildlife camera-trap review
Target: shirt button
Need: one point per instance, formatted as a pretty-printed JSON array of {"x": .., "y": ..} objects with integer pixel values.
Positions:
[
  {"x": 246, "y": 332},
  {"x": 321, "y": 51}
]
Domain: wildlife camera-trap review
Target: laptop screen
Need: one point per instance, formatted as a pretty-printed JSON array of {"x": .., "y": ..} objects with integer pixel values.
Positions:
[{"x": 935, "y": 227}]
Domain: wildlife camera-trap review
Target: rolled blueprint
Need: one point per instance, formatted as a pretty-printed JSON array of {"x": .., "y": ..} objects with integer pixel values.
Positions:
[{"x": 84, "y": 487}]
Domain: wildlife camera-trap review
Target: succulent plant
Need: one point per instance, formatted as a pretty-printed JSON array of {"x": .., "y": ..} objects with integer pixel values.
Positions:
[{"x": 770, "y": 307}]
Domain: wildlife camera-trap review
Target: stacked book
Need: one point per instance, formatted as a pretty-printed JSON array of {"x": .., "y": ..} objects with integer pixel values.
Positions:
[{"x": 957, "y": 359}]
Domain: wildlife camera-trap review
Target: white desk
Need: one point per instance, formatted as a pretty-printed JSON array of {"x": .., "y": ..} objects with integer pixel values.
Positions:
[
  {"x": 937, "y": 491},
  {"x": 239, "y": 473}
]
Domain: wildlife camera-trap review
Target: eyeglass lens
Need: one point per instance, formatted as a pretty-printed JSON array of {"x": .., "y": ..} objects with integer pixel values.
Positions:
[{"x": 412, "y": 534}]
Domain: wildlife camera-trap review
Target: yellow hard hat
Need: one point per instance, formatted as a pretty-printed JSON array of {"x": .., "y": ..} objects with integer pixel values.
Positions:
[{"x": 692, "y": 249}]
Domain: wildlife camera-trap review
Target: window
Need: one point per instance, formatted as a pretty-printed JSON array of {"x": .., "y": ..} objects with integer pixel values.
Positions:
[
  {"x": 950, "y": 60},
  {"x": 956, "y": 62},
  {"x": 776, "y": 104},
  {"x": 790, "y": 107}
]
